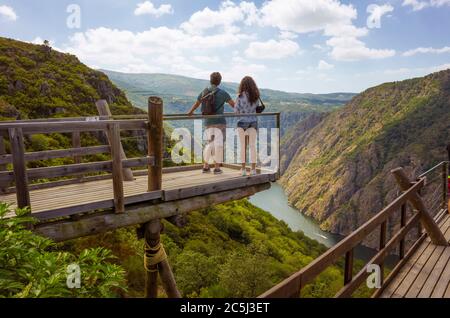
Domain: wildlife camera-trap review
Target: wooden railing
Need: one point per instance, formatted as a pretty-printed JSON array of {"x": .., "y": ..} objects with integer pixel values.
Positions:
[
  {"x": 420, "y": 218},
  {"x": 21, "y": 178},
  {"x": 21, "y": 175}
]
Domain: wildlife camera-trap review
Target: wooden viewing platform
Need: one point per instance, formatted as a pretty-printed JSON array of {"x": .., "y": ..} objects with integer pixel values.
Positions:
[{"x": 79, "y": 204}]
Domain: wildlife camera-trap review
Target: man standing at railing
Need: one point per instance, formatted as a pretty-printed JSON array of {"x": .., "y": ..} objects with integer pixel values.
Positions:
[{"x": 213, "y": 99}]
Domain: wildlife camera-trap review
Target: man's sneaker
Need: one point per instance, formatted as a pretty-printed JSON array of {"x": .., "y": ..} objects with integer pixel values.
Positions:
[
  {"x": 206, "y": 170},
  {"x": 218, "y": 171},
  {"x": 253, "y": 172},
  {"x": 243, "y": 172}
]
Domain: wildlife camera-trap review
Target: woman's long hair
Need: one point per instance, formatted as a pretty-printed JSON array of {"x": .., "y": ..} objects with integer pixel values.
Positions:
[{"x": 248, "y": 85}]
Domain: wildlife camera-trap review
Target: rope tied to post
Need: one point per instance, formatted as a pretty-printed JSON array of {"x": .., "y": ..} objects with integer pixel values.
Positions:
[{"x": 153, "y": 256}]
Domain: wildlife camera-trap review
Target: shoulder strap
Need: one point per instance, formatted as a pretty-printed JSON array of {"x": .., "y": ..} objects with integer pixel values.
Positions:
[
  {"x": 262, "y": 104},
  {"x": 210, "y": 93}
]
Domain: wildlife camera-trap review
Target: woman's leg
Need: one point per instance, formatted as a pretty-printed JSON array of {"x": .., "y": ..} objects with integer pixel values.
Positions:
[
  {"x": 252, "y": 146},
  {"x": 241, "y": 135}
]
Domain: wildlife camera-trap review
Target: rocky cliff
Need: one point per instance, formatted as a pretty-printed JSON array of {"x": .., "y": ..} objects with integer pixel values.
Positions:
[
  {"x": 339, "y": 172},
  {"x": 39, "y": 82}
]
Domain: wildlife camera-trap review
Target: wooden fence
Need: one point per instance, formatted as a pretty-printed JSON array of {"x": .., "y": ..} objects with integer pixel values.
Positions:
[
  {"x": 18, "y": 158},
  {"x": 421, "y": 218}
]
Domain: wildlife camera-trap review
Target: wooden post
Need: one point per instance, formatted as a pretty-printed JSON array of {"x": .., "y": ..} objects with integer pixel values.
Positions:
[
  {"x": 426, "y": 219},
  {"x": 2, "y": 152},
  {"x": 401, "y": 252},
  {"x": 76, "y": 143},
  {"x": 152, "y": 239},
  {"x": 19, "y": 166},
  {"x": 103, "y": 110},
  {"x": 168, "y": 280},
  {"x": 117, "y": 171},
  {"x": 445, "y": 202},
  {"x": 155, "y": 142},
  {"x": 383, "y": 231},
  {"x": 348, "y": 270},
  {"x": 279, "y": 144},
  {"x": 153, "y": 228}
]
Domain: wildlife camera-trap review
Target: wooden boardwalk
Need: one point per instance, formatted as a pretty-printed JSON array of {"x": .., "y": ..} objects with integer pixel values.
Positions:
[
  {"x": 427, "y": 272},
  {"x": 84, "y": 197},
  {"x": 423, "y": 269}
]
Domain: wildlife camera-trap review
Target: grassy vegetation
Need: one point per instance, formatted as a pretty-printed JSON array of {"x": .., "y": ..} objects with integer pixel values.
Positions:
[{"x": 231, "y": 250}]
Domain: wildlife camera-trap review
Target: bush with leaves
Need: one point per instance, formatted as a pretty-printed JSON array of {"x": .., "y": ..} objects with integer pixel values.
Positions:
[{"x": 31, "y": 265}]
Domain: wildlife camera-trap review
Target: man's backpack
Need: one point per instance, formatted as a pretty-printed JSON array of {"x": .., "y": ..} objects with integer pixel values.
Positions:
[{"x": 209, "y": 102}]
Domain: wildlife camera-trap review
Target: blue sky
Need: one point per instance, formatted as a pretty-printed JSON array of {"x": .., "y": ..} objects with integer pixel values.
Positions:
[{"x": 316, "y": 46}]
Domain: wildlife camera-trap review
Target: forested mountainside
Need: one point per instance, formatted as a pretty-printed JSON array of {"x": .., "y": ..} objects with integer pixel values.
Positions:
[
  {"x": 39, "y": 82},
  {"x": 230, "y": 250},
  {"x": 179, "y": 93},
  {"x": 340, "y": 169}
]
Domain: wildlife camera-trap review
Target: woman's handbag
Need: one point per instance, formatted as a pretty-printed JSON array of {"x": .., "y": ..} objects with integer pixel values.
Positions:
[{"x": 260, "y": 108}]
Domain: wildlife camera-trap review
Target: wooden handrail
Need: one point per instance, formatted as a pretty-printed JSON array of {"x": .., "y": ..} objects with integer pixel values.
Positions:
[
  {"x": 443, "y": 163},
  {"x": 178, "y": 116},
  {"x": 30, "y": 128},
  {"x": 292, "y": 286},
  {"x": 60, "y": 153},
  {"x": 74, "y": 169}
]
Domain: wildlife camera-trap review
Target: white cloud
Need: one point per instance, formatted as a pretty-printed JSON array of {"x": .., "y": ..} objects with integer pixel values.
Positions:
[
  {"x": 8, "y": 13},
  {"x": 242, "y": 68},
  {"x": 438, "y": 68},
  {"x": 418, "y": 5},
  {"x": 376, "y": 13},
  {"x": 288, "y": 35},
  {"x": 352, "y": 49},
  {"x": 161, "y": 49},
  {"x": 272, "y": 49},
  {"x": 206, "y": 59},
  {"x": 418, "y": 71},
  {"x": 148, "y": 7},
  {"x": 226, "y": 17},
  {"x": 303, "y": 16},
  {"x": 324, "y": 66},
  {"x": 331, "y": 17},
  {"x": 425, "y": 50},
  {"x": 397, "y": 71},
  {"x": 319, "y": 47}
]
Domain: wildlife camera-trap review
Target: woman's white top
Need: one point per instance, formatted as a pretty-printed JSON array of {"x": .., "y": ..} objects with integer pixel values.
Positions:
[{"x": 243, "y": 106}]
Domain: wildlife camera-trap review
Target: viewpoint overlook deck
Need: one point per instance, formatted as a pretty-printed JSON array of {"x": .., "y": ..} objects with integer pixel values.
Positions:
[{"x": 83, "y": 198}]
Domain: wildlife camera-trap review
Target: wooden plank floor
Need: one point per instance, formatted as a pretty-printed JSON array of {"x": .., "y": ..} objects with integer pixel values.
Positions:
[
  {"x": 427, "y": 272},
  {"x": 60, "y": 201}
]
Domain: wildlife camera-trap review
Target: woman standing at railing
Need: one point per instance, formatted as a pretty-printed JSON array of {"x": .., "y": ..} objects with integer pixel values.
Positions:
[{"x": 246, "y": 103}]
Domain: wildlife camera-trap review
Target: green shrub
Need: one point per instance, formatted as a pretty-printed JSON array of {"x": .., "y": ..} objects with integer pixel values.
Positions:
[{"x": 32, "y": 267}]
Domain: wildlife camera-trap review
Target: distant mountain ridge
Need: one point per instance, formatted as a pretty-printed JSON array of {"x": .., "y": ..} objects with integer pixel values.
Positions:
[
  {"x": 337, "y": 169},
  {"x": 178, "y": 85},
  {"x": 180, "y": 92}
]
